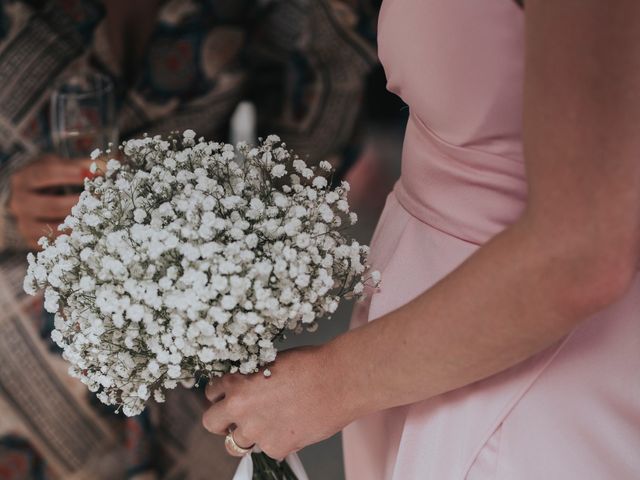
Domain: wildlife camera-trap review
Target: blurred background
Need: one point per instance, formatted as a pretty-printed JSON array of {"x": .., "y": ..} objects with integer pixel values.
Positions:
[{"x": 80, "y": 74}]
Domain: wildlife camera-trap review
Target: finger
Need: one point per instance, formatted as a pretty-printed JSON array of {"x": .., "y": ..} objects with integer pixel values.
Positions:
[
  {"x": 37, "y": 228},
  {"x": 32, "y": 231},
  {"x": 42, "y": 206},
  {"x": 215, "y": 390},
  {"x": 216, "y": 419},
  {"x": 49, "y": 158},
  {"x": 87, "y": 162},
  {"x": 51, "y": 174}
]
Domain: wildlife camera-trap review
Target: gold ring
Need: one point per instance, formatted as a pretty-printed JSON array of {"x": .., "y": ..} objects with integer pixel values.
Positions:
[{"x": 233, "y": 448}]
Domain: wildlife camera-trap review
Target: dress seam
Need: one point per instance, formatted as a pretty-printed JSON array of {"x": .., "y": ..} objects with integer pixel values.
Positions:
[{"x": 398, "y": 193}]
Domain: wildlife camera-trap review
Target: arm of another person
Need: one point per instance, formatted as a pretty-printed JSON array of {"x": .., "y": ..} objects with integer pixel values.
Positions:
[
  {"x": 31, "y": 66},
  {"x": 573, "y": 252},
  {"x": 35, "y": 212}
]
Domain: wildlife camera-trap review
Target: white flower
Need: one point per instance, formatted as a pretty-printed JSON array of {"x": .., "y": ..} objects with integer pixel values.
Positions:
[
  {"x": 292, "y": 227},
  {"x": 189, "y": 134},
  {"x": 143, "y": 392},
  {"x": 174, "y": 371},
  {"x": 303, "y": 240},
  {"x": 51, "y": 299},
  {"x": 135, "y": 313},
  {"x": 299, "y": 165},
  {"x": 325, "y": 165},
  {"x": 228, "y": 302},
  {"x": 206, "y": 355},
  {"x": 91, "y": 220},
  {"x": 325, "y": 212},
  {"x": 320, "y": 182},
  {"x": 113, "y": 165},
  {"x": 87, "y": 283},
  {"x": 332, "y": 197},
  {"x": 57, "y": 337},
  {"x": 278, "y": 171},
  {"x": 153, "y": 367},
  {"x": 191, "y": 257},
  {"x": 139, "y": 215}
]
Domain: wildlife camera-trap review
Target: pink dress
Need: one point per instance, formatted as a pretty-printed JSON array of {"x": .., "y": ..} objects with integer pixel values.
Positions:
[{"x": 569, "y": 413}]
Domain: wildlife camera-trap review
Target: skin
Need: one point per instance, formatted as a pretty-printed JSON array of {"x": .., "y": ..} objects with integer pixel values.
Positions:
[
  {"x": 36, "y": 211},
  {"x": 573, "y": 252}
]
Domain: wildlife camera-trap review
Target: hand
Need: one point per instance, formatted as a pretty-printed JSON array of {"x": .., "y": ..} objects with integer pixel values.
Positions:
[
  {"x": 36, "y": 211},
  {"x": 301, "y": 403}
]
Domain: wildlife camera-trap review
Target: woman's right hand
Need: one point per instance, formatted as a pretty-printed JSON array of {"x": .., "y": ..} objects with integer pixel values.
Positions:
[{"x": 36, "y": 209}]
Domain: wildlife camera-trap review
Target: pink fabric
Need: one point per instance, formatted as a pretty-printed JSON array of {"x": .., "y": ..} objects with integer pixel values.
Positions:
[{"x": 571, "y": 412}]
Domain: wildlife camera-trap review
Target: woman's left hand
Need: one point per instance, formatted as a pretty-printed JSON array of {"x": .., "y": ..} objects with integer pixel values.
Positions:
[{"x": 302, "y": 402}]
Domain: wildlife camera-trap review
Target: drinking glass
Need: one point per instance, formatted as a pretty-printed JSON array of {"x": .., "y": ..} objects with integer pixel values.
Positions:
[{"x": 83, "y": 114}]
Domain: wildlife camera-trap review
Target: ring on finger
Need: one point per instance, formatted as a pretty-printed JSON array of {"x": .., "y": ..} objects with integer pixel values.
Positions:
[{"x": 233, "y": 448}]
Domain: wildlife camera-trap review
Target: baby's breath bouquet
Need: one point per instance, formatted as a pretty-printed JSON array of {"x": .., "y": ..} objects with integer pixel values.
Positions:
[{"x": 188, "y": 259}]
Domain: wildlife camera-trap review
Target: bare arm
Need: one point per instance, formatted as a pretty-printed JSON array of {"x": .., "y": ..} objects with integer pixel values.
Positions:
[
  {"x": 573, "y": 252},
  {"x": 575, "y": 249}
]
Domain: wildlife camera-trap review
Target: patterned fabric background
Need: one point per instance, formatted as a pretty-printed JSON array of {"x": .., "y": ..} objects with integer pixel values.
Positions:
[{"x": 302, "y": 62}]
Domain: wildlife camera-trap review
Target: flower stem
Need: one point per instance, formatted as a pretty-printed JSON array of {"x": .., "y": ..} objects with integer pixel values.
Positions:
[{"x": 266, "y": 468}]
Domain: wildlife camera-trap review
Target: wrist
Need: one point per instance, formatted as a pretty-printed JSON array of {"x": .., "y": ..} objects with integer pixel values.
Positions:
[{"x": 347, "y": 382}]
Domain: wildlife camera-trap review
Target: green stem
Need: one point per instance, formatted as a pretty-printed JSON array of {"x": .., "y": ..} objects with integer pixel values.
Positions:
[{"x": 266, "y": 468}]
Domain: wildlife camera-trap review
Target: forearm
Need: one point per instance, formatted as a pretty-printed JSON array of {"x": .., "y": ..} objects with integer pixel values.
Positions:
[{"x": 515, "y": 296}]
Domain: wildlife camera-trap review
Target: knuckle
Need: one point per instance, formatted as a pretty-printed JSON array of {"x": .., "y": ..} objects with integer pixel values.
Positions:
[
  {"x": 235, "y": 406},
  {"x": 206, "y": 421}
]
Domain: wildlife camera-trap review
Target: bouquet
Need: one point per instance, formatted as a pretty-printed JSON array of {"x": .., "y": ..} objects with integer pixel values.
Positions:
[{"x": 189, "y": 259}]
